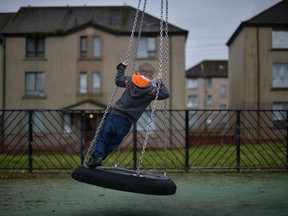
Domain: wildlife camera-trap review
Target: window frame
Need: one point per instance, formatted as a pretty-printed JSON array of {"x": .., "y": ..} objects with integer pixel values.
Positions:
[
  {"x": 145, "y": 48},
  {"x": 193, "y": 101},
  {"x": 35, "y": 90},
  {"x": 83, "y": 46},
  {"x": 223, "y": 91},
  {"x": 279, "y": 38},
  {"x": 192, "y": 83},
  {"x": 98, "y": 89},
  {"x": 38, "y": 47},
  {"x": 97, "y": 52},
  {"x": 283, "y": 83},
  {"x": 83, "y": 89}
]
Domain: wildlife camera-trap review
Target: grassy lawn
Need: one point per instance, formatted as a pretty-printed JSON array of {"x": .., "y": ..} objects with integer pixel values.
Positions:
[{"x": 209, "y": 156}]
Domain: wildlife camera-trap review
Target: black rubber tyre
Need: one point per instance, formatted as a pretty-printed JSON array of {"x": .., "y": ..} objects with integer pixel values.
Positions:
[{"x": 125, "y": 180}]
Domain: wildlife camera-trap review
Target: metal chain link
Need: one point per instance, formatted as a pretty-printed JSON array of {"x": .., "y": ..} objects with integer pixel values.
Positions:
[
  {"x": 133, "y": 31},
  {"x": 139, "y": 36},
  {"x": 88, "y": 154},
  {"x": 156, "y": 97},
  {"x": 135, "y": 56},
  {"x": 165, "y": 102}
]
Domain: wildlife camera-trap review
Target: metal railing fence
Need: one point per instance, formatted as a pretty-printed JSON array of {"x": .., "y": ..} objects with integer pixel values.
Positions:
[{"x": 197, "y": 139}]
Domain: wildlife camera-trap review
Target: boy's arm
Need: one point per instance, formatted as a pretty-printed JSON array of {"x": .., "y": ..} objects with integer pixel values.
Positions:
[
  {"x": 164, "y": 92},
  {"x": 120, "y": 78}
]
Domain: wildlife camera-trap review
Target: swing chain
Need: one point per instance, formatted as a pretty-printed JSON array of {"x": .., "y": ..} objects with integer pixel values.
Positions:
[
  {"x": 136, "y": 51},
  {"x": 157, "y": 92},
  {"x": 165, "y": 102},
  {"x": 133, "y": 32},
  {"x": 139, "y": 36},
  {"x": 100, "y": 125},
  {"x": 148, "y": 128}
]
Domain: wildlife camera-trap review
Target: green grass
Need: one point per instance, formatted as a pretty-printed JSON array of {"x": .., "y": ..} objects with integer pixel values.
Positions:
[{"x": 221, "y": 156}]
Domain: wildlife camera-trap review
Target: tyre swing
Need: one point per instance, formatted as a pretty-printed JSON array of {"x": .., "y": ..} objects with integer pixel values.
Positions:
[{"x": 125, "y": 179}]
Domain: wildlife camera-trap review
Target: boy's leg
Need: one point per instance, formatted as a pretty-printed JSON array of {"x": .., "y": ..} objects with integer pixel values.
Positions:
[
  {"x": 101, "y": 143},
  {"x": 121, "y": 127}
]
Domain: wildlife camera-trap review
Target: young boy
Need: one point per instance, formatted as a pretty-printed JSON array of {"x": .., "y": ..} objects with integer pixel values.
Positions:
[{"x": 128, "y": 109}]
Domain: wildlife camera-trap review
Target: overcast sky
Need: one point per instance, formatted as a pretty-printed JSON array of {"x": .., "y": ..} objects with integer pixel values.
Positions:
[{"x": 210, "y": 22}]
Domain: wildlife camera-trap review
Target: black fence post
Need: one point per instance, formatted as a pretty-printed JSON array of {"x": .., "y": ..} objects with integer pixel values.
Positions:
[
  {"x": 82, "y": 147},
  {"x": 135, "y": 146},
  {"x": 30, "y": 140},
  {"x": 187, "y": 141},
  {"x": 287, "y": 139},
  {"x": 238, "y": 140}
]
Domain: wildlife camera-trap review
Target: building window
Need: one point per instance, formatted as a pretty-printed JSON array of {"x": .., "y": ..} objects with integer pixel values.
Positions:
[
  {"x": 147, "y": 47},
  {"x": 279, "y": 117},
  {"x": 34, "y": 83},
  {"x": 280, "y": 76},
  {"x": 223, "y": 108},
  {"x": 192, "y": 101},
  {"x": 209, "y": 99},
  {"x": 143, "y": 122},
  {"x": 192, "y": 83},
  {"x": 67, "y": 123},
  {"x": 83, "y": 82},
  {"x": 35, "y": 47},
  {"x": 280, "y": 38},
  {"x": 38, "y": 119},
  {"x": 96, "y": 82},
  {"x": 223, "y": 91},
  {"x": 83, "y": 46},
  {"x": 208, "y": 82},
  {"x": 97, "y": 47}
]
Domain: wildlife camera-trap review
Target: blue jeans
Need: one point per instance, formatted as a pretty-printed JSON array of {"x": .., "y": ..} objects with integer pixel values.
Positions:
[{"x": 112, "y": 132}]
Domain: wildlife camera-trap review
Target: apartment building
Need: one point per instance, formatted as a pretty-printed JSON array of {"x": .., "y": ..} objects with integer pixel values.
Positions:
[
  {"x": 258, "y": 64},
  {"x": 258, "y": 61},
  {"x": 207, "y": 85},
  {"x": 59, "y": 57},
  {"x": 66, "y": 57}
]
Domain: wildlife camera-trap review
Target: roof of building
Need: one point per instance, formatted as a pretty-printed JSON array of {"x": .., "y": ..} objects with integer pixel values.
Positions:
[
  {"x": 209, "y": 69},
  {"x": 64, "y": 20},
  {"x": 275, "y": 16},
  {"x": 4, "y": 19}
]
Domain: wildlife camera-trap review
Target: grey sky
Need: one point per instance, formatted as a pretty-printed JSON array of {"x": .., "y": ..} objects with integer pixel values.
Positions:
[{"x": 210, "y": 22}]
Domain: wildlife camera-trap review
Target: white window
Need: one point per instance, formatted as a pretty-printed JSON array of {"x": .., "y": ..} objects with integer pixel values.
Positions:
[
  {"x": 37, "y": 122},
  {"x": 223, "y": 91},
  {"x": 83, "y": 46},
  {"x": 34, "y": 83},
  {"x": 35, "y": 47},
  {"x": 192, "y": 83},
  {"x": 192, "y": 101},
  {"x": 67, "y": 123},
  {"x": 192, "y": 119},
  {"x": 280, "y": 38},
  {"x": 147, "y": 47},
  {"x": 280, "y": 75},
  {"x": 209, "y": 99},
  {"x": 83, "y": 82},
  {"x": 222, "y": 106},
  {"x": 96, "y": 82},
  {"x": 280, "y": 116},
  {"x": 143, "y": 122},
  {"x": 209, "y": 119},
  {"x": 208, "y": 82},
  {"x": 97, "y": 47}
]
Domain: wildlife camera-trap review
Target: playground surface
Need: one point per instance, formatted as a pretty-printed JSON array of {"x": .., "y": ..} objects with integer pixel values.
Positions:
[{"x": 257, "y": 193}]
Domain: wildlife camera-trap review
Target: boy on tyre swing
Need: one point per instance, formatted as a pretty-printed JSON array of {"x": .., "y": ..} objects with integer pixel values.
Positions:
[{"x": 139, "y": 93}]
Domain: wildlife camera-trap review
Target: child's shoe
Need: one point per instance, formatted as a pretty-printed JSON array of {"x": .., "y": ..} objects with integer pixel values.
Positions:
[{"x": 94, "y": 162}]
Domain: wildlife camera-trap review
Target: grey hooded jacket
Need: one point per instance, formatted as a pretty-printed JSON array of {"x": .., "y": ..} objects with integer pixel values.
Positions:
[{"x": 136, "y": 97}]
